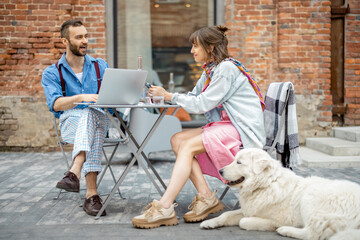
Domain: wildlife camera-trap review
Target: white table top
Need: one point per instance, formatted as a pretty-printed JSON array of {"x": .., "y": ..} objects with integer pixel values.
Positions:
[{"x": 139, "y": 105}]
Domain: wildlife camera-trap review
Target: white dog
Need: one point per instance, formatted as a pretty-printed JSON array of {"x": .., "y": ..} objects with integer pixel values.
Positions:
[{"x": 273, "y": 198}]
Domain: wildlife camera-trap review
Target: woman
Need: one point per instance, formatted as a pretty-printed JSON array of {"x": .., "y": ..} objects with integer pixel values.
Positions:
[{"x": 232, "y": 103}]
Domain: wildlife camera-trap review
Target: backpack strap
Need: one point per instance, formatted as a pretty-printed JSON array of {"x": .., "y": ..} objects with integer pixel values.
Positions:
[
  {"x": 97, "y": 69},
  {"x": 61, "y": 79}
]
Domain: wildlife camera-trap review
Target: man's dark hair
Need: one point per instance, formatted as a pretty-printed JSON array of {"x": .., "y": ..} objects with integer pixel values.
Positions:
[{"x": 64, "y": 30}]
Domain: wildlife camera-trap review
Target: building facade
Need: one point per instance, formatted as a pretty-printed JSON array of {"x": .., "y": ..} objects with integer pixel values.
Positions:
[{"x": 315, "y": 44}]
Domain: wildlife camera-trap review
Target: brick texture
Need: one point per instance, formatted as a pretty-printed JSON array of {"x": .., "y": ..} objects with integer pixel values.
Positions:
[
  {"x": 290, "y": 41},
  {"x": 284, "y": 41},
  {"x": 29, "y": 39},
  {"x": 29, "y": 42},
  {"x": 277, "y": 40}
]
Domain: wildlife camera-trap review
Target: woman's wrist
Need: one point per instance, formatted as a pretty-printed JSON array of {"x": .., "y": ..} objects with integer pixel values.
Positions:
[{"x": 167, "y": 96}]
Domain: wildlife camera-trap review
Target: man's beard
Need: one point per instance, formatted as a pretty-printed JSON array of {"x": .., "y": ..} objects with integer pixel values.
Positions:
[{"x": 76, "y": 50}]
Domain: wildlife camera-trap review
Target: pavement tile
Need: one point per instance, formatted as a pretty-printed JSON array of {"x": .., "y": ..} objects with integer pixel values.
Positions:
[
  {"x": 12, "y": 196},
  {"x": 17, "y": 207},
  {"x": 4, "y": 203},
  {"x": 28, "y": 209},
  {"x": 34, "y": 194}
]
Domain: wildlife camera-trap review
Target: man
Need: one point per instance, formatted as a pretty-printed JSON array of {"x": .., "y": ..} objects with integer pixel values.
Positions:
[{"x": 76, "y": 78}]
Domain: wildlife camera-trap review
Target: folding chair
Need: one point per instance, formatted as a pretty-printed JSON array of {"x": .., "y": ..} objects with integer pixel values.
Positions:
[
  {"x": 276, "y": 110},
  {"x": 107, "y": 143},
  {"x": 61, "y": 145}
]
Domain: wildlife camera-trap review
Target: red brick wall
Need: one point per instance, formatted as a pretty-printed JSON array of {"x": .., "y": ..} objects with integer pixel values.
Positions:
[
  {"x": 277, "y": 40},
  {"x": 252, "y": 36},
  {"x": 29, "y": 39},
  {"x": 352, "y": 64},
  {"x": 29, "y": 42},
  {"x": 285, "y": 41}
]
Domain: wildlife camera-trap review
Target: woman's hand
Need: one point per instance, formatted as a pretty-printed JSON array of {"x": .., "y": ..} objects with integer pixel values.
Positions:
[{"x": 159, "y": 91}]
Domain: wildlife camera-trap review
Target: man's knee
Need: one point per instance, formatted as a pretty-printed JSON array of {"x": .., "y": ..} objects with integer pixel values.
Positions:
[{"x": 96, "y": 118}]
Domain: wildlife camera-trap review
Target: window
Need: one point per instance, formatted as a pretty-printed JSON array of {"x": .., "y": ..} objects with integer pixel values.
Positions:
[
  {"x": 172, "y": 22},
  {"x": 159, "y": 31}
]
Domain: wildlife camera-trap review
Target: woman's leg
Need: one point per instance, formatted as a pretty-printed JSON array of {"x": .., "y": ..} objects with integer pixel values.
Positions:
[
  {"x": 183, "y": 136},
  {"x": 197, "y": 178},
  {"x": 196, "y": 175},
  {"x": 186, "y": 146}
]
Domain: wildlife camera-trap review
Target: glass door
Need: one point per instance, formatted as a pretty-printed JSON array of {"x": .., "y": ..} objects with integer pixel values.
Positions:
[
  {"x": 159, "y": 31},
  {"x": 172, "y": 22}
]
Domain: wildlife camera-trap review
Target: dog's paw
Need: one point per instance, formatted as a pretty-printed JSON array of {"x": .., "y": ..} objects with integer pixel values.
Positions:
[
  {"x": 285, "y": 231},
  {"x": 209, "y": 224}
]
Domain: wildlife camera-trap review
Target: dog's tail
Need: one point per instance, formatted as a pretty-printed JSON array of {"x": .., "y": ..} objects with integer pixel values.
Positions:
[
  {"x": 348, "y": 234},
  {"x": 352, "y": 232},
  {"x": 333, "y": 226}
]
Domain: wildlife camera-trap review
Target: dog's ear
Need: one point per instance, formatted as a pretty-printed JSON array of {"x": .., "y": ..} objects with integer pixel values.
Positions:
[{"x": 260, "y": 165}]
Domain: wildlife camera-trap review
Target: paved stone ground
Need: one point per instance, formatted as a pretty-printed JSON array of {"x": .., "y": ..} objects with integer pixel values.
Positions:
[{"x": 28, "y": 210}]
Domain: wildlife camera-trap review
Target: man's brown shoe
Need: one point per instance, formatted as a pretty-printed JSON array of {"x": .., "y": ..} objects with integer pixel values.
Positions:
[
  {"x": 69, "y": 183},
  {"x": 92, "y": 205}
]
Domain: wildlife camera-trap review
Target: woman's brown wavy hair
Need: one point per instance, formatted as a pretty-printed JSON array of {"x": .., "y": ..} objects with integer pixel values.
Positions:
[{"x": 209, "y": 37}]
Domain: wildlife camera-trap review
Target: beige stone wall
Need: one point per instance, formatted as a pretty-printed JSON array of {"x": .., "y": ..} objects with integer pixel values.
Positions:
[
  {"x": 26, "y": 124},
  {"x": 307, "y": 115}
]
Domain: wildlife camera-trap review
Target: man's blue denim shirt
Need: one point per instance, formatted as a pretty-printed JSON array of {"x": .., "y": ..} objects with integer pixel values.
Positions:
[{"x": 52, "y": 86}]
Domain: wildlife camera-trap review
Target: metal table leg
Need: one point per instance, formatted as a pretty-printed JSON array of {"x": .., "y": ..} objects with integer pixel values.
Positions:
[
  {"x": 143, "y": 144},
  {"x": 136, "y": 157}
]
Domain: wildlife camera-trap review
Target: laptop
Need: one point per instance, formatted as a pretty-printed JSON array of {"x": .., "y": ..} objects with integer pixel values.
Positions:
[{"x": 121, "y": 86}]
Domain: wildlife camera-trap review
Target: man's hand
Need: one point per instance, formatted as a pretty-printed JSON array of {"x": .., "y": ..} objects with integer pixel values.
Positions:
[
  {"x": 66, "y": 103},
  {"x": 89, "y": 97}
]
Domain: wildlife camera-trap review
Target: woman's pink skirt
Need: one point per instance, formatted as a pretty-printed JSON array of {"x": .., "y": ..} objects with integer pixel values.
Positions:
[{"x": 221, "y": 141}]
